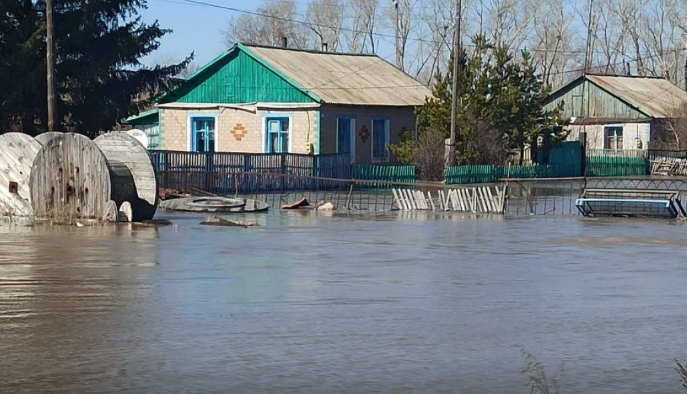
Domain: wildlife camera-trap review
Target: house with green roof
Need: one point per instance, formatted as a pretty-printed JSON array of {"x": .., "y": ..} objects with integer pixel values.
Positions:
[
  {"x": 258, "y": 99},
  {"x": 621, "y": 112}
]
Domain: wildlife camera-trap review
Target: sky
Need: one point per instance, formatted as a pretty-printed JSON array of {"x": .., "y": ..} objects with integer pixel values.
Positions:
[
  {"x": 199, "y": 29},
  {"x": 195, "y": 28}
]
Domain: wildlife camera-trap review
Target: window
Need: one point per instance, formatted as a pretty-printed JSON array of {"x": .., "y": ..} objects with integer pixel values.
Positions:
[
  {"x": 345, "y": 137},
  {"x": 153, "y": 133},
  {"x": 277, "y": 135},
  {"x": 203, "y": 134},
  {"x": 613, "y": 138},
  {"x": 380, "y": 139}
]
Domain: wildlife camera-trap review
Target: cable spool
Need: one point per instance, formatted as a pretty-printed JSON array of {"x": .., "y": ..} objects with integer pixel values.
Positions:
[
  {"x": 127, "y": 157},
  {"x": 43, "y": 138},
  {"x": 70, "y": 179},
  {"x": 16, "y": 160}
]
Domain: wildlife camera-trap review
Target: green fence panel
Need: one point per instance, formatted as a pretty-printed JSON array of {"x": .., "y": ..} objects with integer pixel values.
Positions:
[
  {"x": 396, "y": 174},
  {"x": 602, "y": 166},
  {"x": 463, "y": 175}
]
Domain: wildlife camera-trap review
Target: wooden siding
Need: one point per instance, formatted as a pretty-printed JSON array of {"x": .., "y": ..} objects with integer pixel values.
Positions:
[
  {"x": 601, "y": 103},
  {"x": 238, "y": 78},
  {"x": 401, "y": 119}
]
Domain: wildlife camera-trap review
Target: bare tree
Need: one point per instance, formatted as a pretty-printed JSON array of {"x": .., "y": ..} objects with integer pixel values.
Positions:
[
  {"x": 404, "y": 14},
  {"x": 663, "y": 29},
  {"x": 554, "y": 47},
  {"x": 363, "y": 32},
  {"x": 629, "y": 12},
  {"x": 508, "y": 21},
  {"x": 325, "y": 19},
  {"x": 274, "y": 20}
]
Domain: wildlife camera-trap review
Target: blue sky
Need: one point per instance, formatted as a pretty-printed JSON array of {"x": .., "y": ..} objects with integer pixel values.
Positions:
[{"x": 196, "y": 28}]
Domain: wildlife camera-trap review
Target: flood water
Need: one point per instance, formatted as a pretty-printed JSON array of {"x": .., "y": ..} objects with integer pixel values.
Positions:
[{"x": 344, "y": 304}]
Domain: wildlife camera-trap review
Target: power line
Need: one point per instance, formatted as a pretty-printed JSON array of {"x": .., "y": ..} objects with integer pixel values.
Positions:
[{"x": 376, "y": 34}]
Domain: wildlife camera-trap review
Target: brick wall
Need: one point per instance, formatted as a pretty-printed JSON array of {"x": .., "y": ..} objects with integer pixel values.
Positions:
[
  {"x": 400, "y": 119},
  {"x": 239, "y": 130}
]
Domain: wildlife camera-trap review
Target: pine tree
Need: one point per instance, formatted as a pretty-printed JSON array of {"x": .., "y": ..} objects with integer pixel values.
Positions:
[
  {"x": 502, "y": 106},
  {"x": 99, "y": 76}
]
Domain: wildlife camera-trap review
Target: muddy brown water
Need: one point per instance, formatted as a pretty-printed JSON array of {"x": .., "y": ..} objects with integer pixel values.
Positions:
[{"x": 393, "y": 303}]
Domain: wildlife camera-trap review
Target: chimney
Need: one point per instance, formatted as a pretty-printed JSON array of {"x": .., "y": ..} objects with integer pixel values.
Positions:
[
  {"x": 284, "y": 42},
  {"x": 325, "y": 47}
]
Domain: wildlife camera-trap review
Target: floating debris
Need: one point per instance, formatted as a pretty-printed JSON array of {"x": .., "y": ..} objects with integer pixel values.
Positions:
[
  {"x": 326, "y": 206},
  {"x": 218, "y": 221},
  {"x": 214, "y": 205},
  {"x": 154, "y": 223},
  {"x": 303, "y": 202}
]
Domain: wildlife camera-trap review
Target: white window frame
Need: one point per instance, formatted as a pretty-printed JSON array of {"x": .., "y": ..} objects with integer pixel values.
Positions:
[
  {"x": 615, "y": 137},
  {"x": 352, "y": 135},
  {"x": 387, "y": 127},
  {"x": 266, "y": 118}
]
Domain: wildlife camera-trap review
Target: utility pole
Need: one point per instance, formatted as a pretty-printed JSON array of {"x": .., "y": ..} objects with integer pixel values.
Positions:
[
  {"x": 51, "y": 65},
  {"x": 584, "y": 110},
  {"x": 455, "y": 101},
  {"x": 399, "y": 60}
]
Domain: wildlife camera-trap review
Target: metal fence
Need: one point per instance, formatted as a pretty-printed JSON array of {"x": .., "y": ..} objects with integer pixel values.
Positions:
[
  {"x": 344, "y": 194},
  {"x": 543, "y": 196}
]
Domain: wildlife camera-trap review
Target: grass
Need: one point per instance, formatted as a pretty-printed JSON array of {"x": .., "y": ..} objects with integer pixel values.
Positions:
[{"x": 538, "y": 381}]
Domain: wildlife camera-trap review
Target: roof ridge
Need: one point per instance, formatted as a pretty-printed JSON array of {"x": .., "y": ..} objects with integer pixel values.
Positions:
[
  {"x": 313, "y": 51},
  {"x": 625, "y": 76}
]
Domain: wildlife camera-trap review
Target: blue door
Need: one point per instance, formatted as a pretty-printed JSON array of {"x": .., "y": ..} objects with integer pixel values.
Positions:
[
  {"x": 344, "y": 137},
  {"x": 203, "y": 134}
]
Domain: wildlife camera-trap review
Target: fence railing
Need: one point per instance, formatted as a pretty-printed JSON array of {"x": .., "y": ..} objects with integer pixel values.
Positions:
[
  {"x": 219, "y": 172},
  {"x": 463, "y": 175}
]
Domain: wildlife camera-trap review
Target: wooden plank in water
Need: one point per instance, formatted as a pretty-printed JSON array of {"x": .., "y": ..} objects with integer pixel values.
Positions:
[
  {"x": 420, "y": 198},
  {"x": 431, "y": 200},
  {"x": 490, "y": 199}
]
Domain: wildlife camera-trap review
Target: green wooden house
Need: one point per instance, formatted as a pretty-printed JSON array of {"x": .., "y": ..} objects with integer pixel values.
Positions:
[
  {"x": 259, "y": 99},
  {"x": 620, "y": 112}
]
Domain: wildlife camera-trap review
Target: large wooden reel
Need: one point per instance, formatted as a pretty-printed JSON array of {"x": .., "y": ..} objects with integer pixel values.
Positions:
[
  {"x": 17, "y": 153},
  {"x": 70, "y": 179},
  {"x": 127, "y": 156}
]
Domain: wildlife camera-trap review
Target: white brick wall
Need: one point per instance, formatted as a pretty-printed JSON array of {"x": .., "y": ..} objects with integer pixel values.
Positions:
[{"x": 239, "y": 130}]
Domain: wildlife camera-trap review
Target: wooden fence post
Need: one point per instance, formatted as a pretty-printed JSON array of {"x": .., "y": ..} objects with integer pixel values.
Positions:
[{"x": 283, "y": 172}]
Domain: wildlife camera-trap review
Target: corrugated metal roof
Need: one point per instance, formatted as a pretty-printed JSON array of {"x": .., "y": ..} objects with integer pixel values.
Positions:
[
  {"x": 345, "y": 78},
  {"x": 656, "y": 97}
]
